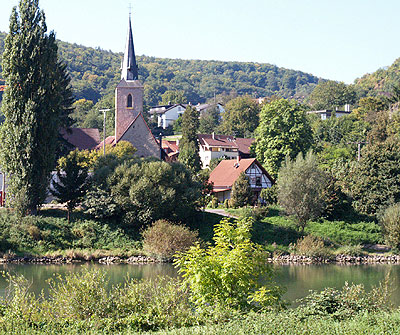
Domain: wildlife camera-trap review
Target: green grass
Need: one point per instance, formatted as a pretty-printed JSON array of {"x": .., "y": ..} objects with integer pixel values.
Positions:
[{"x": 279, "y": 229}]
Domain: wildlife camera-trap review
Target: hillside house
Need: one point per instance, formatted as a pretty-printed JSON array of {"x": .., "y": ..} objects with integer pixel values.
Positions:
[
  {"x": 168, "y": 114},
  {"x": 326, "y": 114},
  {"x": 213, "y": 146},
  {"x": 227, "y": 171}
]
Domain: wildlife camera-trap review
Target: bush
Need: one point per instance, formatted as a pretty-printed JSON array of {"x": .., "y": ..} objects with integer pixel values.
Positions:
[
  {"x": 347, "y": 302},
  {"x": 164, "y": 239},
  {"x": 311, "y": 246},
  {"x": 214, "y": 202},
  {"x": 301, "y": 186},
  {"x": 227, "y": 275},
  {"x": 351, "y": 250},
  {"x": 269, "y": 195},
  {"x": 257, "y": 213},
  {"x": 226, "y": 203},
  {"x": 242, "y": 194},
  {"x": 390, "y": 222}
]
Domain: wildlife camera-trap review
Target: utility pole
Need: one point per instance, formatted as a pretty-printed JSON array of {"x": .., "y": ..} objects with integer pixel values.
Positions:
[
  {"x": 104, "y": 128},
  {"x": 358, "y": 147}
]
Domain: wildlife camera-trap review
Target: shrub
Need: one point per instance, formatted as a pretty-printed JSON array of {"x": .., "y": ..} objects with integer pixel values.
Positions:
[
  {"x": 226, "y": 203},
  {"x": 311, "y": 246},
  {"x": 257, "y": 213},
  {"x": 351, "y": 250},
  {"x": 242, "y": 194},
  {"x": 347, "y": 302},
  {"x": 301, "y": 186},
  {"x": 227, "y": 275},
  {"x": 164, "y": 239},
  {"x": 269, "y": 195},
  {"x": 390, "y": 222},
  {"x": 214, "y": 202}
]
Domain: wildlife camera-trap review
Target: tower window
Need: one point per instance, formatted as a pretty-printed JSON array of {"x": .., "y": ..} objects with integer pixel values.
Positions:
[{"x": 129, "y": 102}]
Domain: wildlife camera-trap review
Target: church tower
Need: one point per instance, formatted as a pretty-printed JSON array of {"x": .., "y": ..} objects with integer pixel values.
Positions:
[
  {"x": 129, "y": 92},
  {"x": 130, "y": 124}
]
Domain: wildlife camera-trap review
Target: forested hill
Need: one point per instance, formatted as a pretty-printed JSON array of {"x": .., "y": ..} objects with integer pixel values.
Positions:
[
  {"x": 95, "y": 73},
  {"x": 380, "y": 81}
]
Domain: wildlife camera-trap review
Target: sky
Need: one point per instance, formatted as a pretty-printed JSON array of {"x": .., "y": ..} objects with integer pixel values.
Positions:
[{"x": 333, "y": 39}]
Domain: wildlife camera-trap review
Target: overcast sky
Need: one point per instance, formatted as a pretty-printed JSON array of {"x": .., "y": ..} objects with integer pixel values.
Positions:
[{"x": 333, "y": 39}]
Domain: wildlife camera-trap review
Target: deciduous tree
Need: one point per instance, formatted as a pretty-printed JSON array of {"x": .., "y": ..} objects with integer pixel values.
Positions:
[
  {"x": 35, "y": 104},
  {"x": 283, "y": 131}
]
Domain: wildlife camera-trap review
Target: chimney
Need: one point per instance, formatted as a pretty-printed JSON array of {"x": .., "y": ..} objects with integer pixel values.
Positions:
[
  {"x": 213, "y": 135},
  {"x": 238, "y": 159}
]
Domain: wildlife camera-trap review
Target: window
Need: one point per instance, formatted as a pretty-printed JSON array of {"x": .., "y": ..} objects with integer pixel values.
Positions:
[
  {"x": 129, "y": 103},
  {"x": 258, "y": 181}
]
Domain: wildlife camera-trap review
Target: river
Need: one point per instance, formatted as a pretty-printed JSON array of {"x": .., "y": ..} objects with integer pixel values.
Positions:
[{"x": 297, "y": 279}]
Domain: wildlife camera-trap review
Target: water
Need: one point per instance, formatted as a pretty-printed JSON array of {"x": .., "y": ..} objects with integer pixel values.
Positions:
[{"x": 298, "y": 279}]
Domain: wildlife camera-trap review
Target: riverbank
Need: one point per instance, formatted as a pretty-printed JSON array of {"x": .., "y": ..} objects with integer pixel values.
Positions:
[{"x": 341, "y": 259}]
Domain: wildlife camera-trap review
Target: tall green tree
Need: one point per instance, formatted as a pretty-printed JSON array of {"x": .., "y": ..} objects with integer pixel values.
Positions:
[
  {"x": 240, "y": 117},
  {"x": 36, "y": 104},
  {"x": 284, "y": 131},
  {"x": 188, "y": 146},
  {"x": 72, "y": 181},
  {"x": 209, "y": 121},
  {"x": 173, "y": 97},
  {"x": 241, "y": 192},
  {"x": 301, "y": 188},
  {"x": 331, "y": 94}
]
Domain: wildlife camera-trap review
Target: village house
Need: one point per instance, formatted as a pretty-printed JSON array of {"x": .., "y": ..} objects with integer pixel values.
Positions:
[
  {"x": 168, "y": 114},
  {"x": 227, "y": 171},
  {"x": 328, "y": 113},
  {"x": 213, "y": 146}
]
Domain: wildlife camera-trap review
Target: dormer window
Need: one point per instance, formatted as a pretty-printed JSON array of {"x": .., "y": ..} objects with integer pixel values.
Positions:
[{"x": 129, "y": 102}]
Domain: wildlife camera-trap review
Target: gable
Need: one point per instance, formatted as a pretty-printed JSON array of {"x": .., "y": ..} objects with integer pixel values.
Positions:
[{"x": 140, "y": 136}]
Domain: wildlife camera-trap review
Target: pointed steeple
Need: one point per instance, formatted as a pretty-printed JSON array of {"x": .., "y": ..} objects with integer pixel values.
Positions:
[{"x": 129, "y": 66}]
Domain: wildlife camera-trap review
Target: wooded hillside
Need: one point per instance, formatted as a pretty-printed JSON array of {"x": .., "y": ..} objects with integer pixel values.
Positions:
[{"x": 95, "y": 73}]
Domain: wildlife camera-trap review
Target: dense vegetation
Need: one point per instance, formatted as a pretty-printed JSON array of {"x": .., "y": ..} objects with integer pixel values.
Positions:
[{"x": 95, "y": 73}]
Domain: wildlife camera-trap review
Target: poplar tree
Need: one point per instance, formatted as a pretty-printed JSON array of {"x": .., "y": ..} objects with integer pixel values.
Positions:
[
  {"x": 36, "y": 104},
  {"x": 188, "y": 146}
]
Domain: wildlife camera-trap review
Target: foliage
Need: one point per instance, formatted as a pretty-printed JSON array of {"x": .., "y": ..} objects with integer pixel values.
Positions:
[
  {"x": 188, "y": 146},
  {"x": 301, "y": 186},
  {"x": 331, "y": 94},
  {"x": 227, "y": 274},
  {"x": 269, "y": 195},
  {"x": 346, "y": 302},
  {"x": 375, "y": 181},
  {"x": 72, "y": 181},
  {"x": 283, "y": 130},
  {"x": 164, "y": 239},
  {"x": 36, "y": 105},
  {"x": 146, "y": 191},
  {"x": 241, "y": 194},
  {"x": 350, "y": 233},
  {"x": 311, "y": 246},
  {"x": 241, "y": 117},
  {"x": 49, "y": 233},
  {"x": 351, "y": 250},
  {"x": 337, "y": 203},
  {"x": 390, "y": 222},
  {"x": 209, "y": 120},
  {"x": 173, "y": 97}
]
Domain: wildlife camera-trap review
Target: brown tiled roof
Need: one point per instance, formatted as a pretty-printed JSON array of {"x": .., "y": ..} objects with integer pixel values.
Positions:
[
  {"x": 244, "y": 144},
  {"x": 82, "y": 138},
  {"x": 226, "y": 141},
  {"x": 110, "y": 140},
  {"x": 170, "y": 147},
  {"x": 227, "y": 171}
]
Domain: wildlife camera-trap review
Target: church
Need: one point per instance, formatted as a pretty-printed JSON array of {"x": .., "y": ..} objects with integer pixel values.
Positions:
[{"x": 130, "y": 124}]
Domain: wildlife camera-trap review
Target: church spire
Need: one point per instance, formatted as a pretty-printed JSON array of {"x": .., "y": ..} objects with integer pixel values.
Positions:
[{"x": 129, "y": 66}]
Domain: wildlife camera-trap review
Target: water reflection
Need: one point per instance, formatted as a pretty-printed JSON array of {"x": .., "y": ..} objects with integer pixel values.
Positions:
[{"x": 298, "y": 280}]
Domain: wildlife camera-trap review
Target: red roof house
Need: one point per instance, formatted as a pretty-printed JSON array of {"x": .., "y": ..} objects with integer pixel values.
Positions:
[{"x": 227, "y": 171}]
